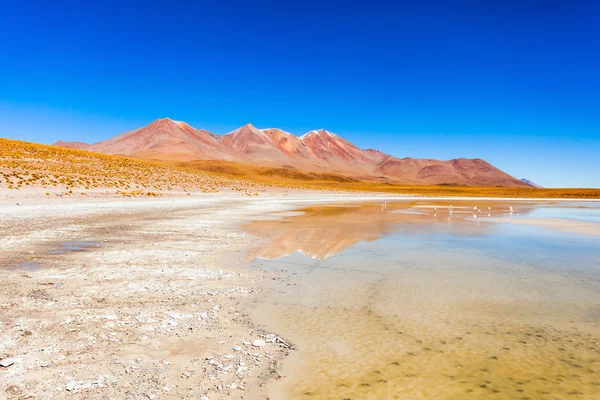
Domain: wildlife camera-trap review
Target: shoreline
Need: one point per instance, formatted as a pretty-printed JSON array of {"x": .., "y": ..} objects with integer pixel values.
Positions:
[
  {"x": 138, "y": 297},
  {"x": 98, "y": 303},
  {"x": 141, "y": 297}
]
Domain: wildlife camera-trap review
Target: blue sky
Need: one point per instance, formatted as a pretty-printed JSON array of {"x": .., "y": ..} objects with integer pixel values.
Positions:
[{"x": 514, "y": 83}]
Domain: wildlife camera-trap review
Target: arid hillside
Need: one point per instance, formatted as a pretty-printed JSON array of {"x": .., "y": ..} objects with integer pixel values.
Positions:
[
  {"x": 66, "y": 172},
  {"x": 318, "y": 151},
  {"x": 56, "y": 171}
]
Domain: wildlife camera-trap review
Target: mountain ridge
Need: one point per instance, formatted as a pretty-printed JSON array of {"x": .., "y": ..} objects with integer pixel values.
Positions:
[{"x": 318, "y": 151}]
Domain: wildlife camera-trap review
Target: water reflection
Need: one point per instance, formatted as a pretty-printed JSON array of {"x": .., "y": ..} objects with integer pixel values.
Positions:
[
  {"x": 322, "y": 231},
  {"x": 417, "y": 306}
]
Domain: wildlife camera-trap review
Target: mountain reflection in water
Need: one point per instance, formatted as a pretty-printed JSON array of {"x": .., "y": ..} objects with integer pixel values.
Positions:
[
  {"x": 421, "y": 304},
  {"x": 322, "y": 231}
]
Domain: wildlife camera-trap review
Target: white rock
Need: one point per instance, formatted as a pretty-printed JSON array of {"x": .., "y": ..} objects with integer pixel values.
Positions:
[
  {"x": 259, "y": 343},
  {"x": 7, "y": 362},
  {"x": 71, "y": 385}
]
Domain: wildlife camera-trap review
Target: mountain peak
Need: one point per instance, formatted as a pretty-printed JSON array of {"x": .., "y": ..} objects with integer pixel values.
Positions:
[
  {"x": 247, "y": 129},
  {"x": 169, "y": 121},
  {"x": 318, "y": 150},
  {"x": 164, "y": 122},
  {"x": 165, "y": 119},
  {"x": 322, "y": 133},
  {"x": 72, "y": 145}
]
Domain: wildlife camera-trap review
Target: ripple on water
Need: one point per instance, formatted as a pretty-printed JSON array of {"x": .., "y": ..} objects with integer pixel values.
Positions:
[
  {"x": 466, "y": 311},
  {"x": 362, "y": 359}
]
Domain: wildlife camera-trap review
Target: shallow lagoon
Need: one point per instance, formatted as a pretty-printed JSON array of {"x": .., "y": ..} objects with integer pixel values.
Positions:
[{"x": 408, "y": 301}]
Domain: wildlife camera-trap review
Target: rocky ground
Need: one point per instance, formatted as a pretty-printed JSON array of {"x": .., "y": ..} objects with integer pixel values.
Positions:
[{"x": 108, "y": 301}]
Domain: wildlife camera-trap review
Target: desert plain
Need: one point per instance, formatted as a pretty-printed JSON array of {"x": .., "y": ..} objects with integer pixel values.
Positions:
[{"x": 127, "y": 279}]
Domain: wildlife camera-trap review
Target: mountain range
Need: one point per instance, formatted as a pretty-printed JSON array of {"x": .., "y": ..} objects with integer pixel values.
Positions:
[{"x": 316, "y": 151}]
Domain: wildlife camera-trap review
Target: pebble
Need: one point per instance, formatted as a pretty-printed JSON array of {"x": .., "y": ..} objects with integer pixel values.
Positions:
[
  {"x": 259, "y": 343},
  {"x": 7, "y": 362}
]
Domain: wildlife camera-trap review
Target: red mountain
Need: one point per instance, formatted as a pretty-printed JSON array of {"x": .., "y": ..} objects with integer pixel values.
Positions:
[
  {"x": 165, "y": 139},
  {"x": 318, "y": 150},
  {"x": 461, "y": 171},
  {"x": 72, "y": 145},
  {"x": 338, "y": 153}
]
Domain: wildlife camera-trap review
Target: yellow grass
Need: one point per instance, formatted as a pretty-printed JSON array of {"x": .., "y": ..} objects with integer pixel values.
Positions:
[
  {"x": 24, "y": 164},
  {"x": 71, "y": 172},
  {"x": 462, "y": 191}
]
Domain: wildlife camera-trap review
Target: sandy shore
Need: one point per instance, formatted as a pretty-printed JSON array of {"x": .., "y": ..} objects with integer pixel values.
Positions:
[
  {"x": 115, "y": 298},
  {"x": 135, "y": 298}
]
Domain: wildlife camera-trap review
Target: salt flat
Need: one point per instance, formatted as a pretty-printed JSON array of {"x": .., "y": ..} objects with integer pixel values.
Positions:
[{"x": 116, "y": 298}]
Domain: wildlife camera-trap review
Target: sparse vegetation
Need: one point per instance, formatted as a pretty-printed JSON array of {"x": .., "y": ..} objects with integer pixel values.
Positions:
[
  {"x": 66, "y": 170},
  {"x": 461, "y": 191},
  {"x": 71, "y": 172}
]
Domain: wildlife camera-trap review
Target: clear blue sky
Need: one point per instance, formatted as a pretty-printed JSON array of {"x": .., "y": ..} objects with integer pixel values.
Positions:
[{"x": 516, "y": 83}]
